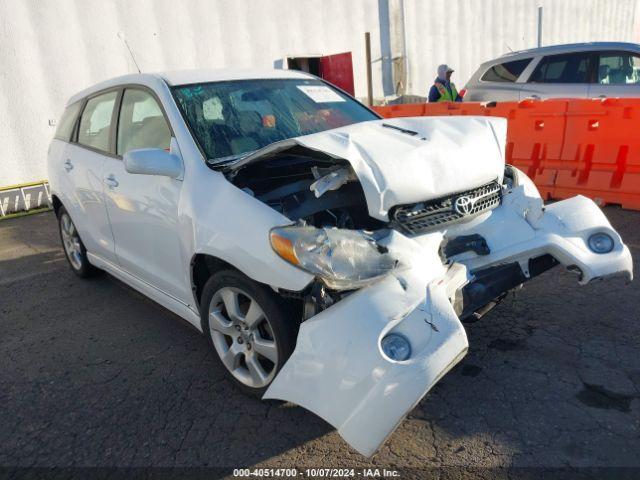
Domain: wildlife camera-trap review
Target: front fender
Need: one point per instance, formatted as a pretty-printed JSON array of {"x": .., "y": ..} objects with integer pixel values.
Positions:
[{"x": 233, "y": 226}]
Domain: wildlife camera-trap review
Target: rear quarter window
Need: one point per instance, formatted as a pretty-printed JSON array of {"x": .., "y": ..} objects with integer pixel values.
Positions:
[
  {"x": 507, "y": 72},
  {"x": 68, "y": 122}
]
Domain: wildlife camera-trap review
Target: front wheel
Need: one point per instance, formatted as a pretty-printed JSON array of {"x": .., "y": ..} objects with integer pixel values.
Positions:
[
  {"x": 73, "y": 247},
  {"x": 250, "y": 328}
]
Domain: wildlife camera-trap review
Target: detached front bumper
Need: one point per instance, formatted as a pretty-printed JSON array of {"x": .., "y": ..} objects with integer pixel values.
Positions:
[{"x": 338, "y": 369}]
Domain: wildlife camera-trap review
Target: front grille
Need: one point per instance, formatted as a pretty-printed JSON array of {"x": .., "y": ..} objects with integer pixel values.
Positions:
[{"x": 433, "y": 214}]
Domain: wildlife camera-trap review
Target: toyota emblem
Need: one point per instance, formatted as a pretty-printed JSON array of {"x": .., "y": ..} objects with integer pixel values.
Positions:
[{"x": 463, "y": 205}]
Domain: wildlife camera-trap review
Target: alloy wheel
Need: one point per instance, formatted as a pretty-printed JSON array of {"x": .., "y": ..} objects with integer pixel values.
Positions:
[
  {"x": 71, "y": 241},
  {"x": 243, "y": 337}
]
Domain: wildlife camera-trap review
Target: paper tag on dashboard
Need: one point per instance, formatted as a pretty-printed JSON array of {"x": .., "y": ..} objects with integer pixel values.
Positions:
[{"x": 320, "y": 93}]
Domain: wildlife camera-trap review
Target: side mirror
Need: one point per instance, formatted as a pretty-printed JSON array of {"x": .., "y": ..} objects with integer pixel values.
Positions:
[{"x": 153, "y": 161}]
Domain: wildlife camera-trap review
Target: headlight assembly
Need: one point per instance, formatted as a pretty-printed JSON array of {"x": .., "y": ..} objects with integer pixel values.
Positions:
[{"x": 342, "y": 259}]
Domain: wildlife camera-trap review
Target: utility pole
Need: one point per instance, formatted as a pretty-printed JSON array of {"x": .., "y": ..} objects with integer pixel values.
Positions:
[
  {"x": 398, "y": 44},
  {"x": 367, "y": 47},
  {"x": 539, "y": 27}
]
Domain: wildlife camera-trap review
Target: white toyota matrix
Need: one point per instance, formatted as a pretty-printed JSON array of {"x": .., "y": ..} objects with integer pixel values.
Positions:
[{"x": 329, "y": 256}]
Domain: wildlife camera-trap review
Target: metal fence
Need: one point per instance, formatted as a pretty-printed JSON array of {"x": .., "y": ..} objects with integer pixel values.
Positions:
[{"x": 26, "y": 198}]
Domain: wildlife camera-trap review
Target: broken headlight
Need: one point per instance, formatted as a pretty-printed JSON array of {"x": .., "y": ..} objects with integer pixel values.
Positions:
[{"x": 342, "y": 259}]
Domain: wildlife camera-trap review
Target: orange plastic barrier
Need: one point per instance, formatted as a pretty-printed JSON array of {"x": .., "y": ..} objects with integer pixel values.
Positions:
[
  {"x": 535, "y": 136},
  {"x": 430, "y": 109},
  {"x": 566, "y": 146},
  {"x": 601, "y": 154}
]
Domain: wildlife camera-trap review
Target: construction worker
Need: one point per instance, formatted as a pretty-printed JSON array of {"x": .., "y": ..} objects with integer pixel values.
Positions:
[{"x": 443, "y": 89}]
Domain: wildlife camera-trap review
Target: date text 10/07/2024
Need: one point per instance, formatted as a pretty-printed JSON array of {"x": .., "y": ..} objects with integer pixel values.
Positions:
[{"x": 316, "y": 472}]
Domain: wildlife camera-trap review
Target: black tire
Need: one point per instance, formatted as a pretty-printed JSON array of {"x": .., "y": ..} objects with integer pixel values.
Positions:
[
  {"x": 280, "y": 317},
  {"x": 77, "y": 260}
]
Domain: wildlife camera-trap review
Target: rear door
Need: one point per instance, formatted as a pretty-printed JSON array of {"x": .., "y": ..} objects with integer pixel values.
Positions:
[
  {"x": 565, "y": 75},
  {"x": 617, "y": 75},
  {"x": 60, "y": 168},
  {"x": 143, "y": 209},
  {"x": 83, "y": 163}
]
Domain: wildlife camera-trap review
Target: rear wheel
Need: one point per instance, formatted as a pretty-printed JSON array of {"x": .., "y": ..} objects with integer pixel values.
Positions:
[
  {"x": 73, "y": 247},
  {"x": 250, "y": 328}
]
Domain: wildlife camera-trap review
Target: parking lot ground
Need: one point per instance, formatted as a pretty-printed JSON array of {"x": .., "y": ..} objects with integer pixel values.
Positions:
[{"x": 94, "y": 374}]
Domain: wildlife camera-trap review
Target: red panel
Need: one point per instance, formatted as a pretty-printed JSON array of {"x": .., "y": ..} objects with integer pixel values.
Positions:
[{"x": 338, "y": 69}]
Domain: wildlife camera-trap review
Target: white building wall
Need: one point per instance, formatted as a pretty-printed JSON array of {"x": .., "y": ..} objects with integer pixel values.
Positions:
[
  {"x": 51, "y": 49},
  {"x": 465, "y": 33}
]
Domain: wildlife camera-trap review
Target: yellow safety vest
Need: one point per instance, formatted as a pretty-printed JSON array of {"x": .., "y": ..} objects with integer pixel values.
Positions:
[{"x": 445, "y": 96}]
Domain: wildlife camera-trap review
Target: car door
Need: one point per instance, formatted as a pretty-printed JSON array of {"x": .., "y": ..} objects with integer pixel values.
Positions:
[
  {"x": 617, "y": 75},
  {"x": 143, "y": 209},
  {"x": 83, "y": 162},
  {"x": 565, "y": 75}
]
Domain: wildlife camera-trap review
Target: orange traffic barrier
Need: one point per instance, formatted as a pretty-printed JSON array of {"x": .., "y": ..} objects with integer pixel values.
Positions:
[
  {"x": 403, "y": 110},
  {"x": 430, "y": 109},
  {"x": 566, "y": 146},
  {"x": 535, "y": 136},
  {"x": 601, "y": 154}
]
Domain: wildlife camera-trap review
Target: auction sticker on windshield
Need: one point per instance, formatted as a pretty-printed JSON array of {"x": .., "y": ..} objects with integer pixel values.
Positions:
[{"x": 320, "y": 93}]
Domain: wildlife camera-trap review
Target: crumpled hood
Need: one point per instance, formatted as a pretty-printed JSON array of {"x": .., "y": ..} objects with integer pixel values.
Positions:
[{"x": 447, "y": 155}]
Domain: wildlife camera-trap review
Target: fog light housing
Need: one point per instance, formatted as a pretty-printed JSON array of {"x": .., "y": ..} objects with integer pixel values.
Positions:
[
  {"x": 600, "y": 243},
  {"x": 396, "y": 347}
]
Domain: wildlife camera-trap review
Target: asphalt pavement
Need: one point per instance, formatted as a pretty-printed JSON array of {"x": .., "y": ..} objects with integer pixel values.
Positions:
[{"x": 94, "y": 374}]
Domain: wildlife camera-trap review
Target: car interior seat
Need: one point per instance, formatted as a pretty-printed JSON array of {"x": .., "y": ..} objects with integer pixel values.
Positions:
[
  {"x": 249, "y": 125},
  {"x": 616, "y": 75},
  {"x": 603, "y": 74},
  {"x": 151, "y": 132}
]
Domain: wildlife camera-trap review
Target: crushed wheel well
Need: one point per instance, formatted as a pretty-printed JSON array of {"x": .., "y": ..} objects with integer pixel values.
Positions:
[{"x": 203, "y": 266}]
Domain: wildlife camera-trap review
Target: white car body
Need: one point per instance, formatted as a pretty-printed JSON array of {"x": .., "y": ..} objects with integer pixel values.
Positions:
[{"x": 148, "y": 230}]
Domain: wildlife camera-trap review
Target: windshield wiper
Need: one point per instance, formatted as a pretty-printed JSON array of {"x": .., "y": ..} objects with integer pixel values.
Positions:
[{"x": 400, "y": 129}]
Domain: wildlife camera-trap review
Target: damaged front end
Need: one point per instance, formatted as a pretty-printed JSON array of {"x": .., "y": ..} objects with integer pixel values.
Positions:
[{"x": 409, "y": 226}]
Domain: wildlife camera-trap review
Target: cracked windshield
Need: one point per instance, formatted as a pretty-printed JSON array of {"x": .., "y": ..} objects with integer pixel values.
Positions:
[{"x": 232, "y": 119}]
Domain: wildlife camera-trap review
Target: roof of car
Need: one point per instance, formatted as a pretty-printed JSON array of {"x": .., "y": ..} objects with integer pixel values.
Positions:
[
  {"x": 575, "y": 47},
  {"x": 186, "y": 77}
]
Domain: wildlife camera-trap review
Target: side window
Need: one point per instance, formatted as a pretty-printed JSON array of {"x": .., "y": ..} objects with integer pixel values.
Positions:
[
  {"x": 141, "y": 123},
  {"x": 95, "y": 123},
  {"x": 618, "y": 68},
  {"x": 565, "y": 68},
  {"x": 68, "y": 122},
  {"x": 506, "y": 72}
]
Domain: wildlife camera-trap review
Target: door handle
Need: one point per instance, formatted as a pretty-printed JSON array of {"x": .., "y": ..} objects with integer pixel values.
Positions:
[
  {"x": 68, "y": 166},
  {"x": 111, "y": 181}
]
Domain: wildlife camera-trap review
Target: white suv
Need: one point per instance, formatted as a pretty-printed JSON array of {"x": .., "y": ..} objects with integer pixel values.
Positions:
[{"x": 328, "y": 255}]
